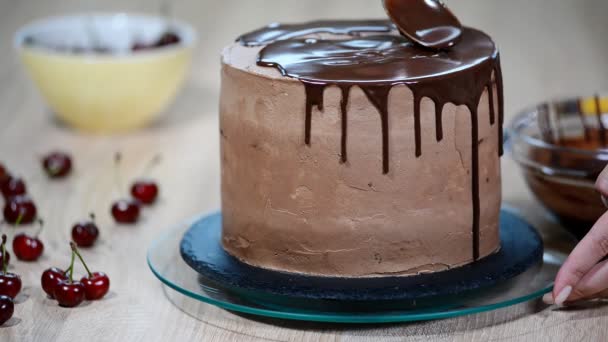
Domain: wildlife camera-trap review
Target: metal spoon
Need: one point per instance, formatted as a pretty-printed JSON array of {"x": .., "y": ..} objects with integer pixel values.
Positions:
[{"x": 428, "y": 23}]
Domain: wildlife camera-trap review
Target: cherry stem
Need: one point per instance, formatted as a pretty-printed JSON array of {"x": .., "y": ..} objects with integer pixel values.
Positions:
[
  {"x": 152, "y": 164},
  {"x": 75, "y": 250},
  {"x": 40, "y": 226},
  {"x": 54, "y": 169},
  {"x": 3, "y": 253},
  {"x": 19, "y": 219},
  {"x": 92, "y": 216},
  {"x": 71, "y": 269},
  {"x": 117, "y": 179}
]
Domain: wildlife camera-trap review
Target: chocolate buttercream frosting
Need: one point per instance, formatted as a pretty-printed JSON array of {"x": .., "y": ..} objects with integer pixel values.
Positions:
[
  {"x": 378, "y": 62},
  {"x": 379, "y": 182}
]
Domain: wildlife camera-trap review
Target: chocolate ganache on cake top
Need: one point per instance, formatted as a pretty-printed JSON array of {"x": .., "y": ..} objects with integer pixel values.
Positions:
[{"x": 462, "y": 64}]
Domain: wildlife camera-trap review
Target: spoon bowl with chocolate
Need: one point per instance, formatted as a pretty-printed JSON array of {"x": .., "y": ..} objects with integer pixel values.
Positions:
[
  {"x": 562, "y": 147},
  {"x": 107, "y": 72}
]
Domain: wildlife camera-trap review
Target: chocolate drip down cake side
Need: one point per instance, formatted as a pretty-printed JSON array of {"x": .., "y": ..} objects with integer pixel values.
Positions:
[{"x": 350, "y": 151}]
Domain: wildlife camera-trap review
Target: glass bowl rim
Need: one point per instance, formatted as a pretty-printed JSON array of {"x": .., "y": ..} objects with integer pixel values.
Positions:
[{"x": 514, "y": 133}]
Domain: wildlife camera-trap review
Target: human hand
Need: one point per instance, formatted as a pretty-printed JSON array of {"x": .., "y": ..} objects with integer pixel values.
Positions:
[{"x": 584, "y": 275}]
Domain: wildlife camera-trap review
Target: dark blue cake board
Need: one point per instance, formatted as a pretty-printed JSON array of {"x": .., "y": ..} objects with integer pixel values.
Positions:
[{"x": 521, "y": 248}]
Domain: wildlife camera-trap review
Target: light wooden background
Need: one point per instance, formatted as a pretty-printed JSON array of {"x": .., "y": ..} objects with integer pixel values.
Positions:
[{"x": 549, "y": 48}]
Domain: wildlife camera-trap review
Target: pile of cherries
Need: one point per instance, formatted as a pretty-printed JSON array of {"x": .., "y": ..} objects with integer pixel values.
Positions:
[
  {"x": 167, "y": 38},
  {"x": 57, "y": 283},
  {"x": 17, "y": 202},
  {"x": 144, "y": 191},
  {"x": 61, "y": 286},
  {"x": 19, "y": 209}
]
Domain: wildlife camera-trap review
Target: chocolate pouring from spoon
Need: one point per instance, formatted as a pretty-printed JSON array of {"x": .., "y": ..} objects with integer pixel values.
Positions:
[{"x": 428, "y": 23}]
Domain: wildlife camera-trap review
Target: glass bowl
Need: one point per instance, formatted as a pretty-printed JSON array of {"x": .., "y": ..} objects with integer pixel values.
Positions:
[{"x": 561, "y": 147}]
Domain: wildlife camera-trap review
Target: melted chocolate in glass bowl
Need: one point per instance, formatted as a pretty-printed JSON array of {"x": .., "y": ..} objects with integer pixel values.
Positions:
[
  {"x": 553, "y": 133},
  {"x": 378, "y": 61},
  {"x": 562, "y": 175}
]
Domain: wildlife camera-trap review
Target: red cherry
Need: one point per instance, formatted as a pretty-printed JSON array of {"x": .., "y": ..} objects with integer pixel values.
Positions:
[
  {"x": 27, "y": 248},
  {"x": 85, "y": 233},
  {"x": 126, "y": 211},
  {"x": 145, "y": 191},
  {"x": 10, "y": 284},
  {"x": 20, "y": 207},
  {"x": 69, "y": 294},
  {"x": 96, "y": 285},
  {"x": 50, "y": 280},
  {"x": 7, "y": 308},
  {"x": 4, "y": 174},
  {"x": 57, "y": 164},
  {"x": 13, "y": 187}
]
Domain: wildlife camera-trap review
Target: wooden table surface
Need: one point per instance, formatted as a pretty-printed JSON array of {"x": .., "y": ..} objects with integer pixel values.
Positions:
[{"x": 549, "y": 48}]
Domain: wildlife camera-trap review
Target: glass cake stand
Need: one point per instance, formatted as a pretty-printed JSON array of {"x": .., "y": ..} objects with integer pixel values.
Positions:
[{"x": 190, "y": 292}]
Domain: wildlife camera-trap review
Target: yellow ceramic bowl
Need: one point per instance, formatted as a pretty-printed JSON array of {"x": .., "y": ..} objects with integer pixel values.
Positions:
[{"x": 105, "y": 92}]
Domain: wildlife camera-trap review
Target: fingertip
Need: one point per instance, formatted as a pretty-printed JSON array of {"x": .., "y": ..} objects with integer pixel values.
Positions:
[
  {"x": 548, "y": 299},
  {"x": 584, "y": 257},
  {"x": 563, "y": 295},
  {"x": 602, "y": 184},
  {"x": 562, "y": 279}
]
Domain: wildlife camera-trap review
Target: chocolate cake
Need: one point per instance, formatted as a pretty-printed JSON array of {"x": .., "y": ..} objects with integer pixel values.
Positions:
[{"x": 350, "y": 150}]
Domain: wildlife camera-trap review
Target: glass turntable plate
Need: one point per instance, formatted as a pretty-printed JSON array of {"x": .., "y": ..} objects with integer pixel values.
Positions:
[{"x": 188, "y": 289}]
